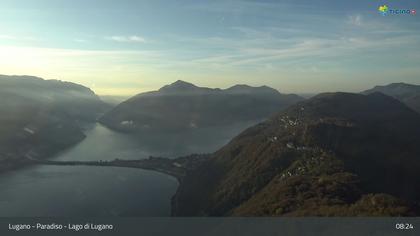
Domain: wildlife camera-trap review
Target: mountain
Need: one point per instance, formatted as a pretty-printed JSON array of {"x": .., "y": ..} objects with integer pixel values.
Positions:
[
  {"x": 336, "y": 154},
  {"x": 409, "y": 94},
  {"x": 40, "y": 117},
  {"x": 113, "y": 100},
  {"x": 74, "y": 100},
  {"x": 181, "y": 87},
  {"x": 183, "y": 106}
]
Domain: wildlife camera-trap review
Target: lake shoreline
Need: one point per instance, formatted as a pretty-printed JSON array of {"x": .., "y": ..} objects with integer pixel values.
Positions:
[{"x": 177, "y": 167}]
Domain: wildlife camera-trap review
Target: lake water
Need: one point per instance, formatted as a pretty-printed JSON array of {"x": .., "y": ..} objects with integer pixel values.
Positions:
[{"x": 106, "y": 191}]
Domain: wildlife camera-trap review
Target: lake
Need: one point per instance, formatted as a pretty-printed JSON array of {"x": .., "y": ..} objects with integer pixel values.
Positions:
[{"x": 106, "y": 191}]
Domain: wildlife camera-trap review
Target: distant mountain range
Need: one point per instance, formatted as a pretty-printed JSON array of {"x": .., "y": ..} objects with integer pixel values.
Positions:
[
  {"x": 336, "y": 154},
  {"x": 407, "y": 93},
  {"x": 183, "y": 106},
  {"x": 40, "y": 117},
  {"x": 113, "y": 100}
]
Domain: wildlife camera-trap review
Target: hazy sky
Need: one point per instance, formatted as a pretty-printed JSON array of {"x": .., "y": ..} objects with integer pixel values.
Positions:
[{"x": 125, "y": 47}]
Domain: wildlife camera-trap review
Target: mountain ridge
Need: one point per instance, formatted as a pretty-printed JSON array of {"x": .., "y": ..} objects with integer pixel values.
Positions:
[
  {"x": 337, "y": 154},
  {"x": 409, "y": 94},
  {"x": 41, "y": 117},
  {"x": 183, "y": 106}
]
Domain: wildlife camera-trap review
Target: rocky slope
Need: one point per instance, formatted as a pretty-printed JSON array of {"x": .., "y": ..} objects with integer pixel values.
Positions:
[{"x": 337, "y": 154}]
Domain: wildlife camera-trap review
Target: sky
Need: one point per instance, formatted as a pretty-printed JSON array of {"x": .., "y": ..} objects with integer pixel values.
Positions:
[{"x": 126, "y": 47}]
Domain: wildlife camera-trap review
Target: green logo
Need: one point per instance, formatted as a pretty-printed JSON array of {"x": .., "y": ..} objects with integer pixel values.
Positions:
[{"x": 383, "y": 9}]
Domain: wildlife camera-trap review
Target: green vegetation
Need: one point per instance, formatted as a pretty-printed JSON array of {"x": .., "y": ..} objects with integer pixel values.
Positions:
[{"x": 336, "y": 154}]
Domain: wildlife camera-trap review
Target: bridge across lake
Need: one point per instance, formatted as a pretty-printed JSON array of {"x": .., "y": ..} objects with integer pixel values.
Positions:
[
  {"x": 163, "y": 165},
  {"x": 174, "y": 167}
]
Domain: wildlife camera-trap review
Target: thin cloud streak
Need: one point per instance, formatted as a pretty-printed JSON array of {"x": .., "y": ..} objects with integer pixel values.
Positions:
[
  {"x": 127, "y": 39},
  {"x": 18, "y": 38}
]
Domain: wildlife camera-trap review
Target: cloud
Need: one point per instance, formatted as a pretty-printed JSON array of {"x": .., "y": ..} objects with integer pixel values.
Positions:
[
  {"x": 38, "y": 58},
  {"x": 127, "y": 39},
  {"x": 18, "y": 38},
  {"x": 9, "y": 37},
  {"x": 356, "y": 20},
  {"x": 80, "y": 40},
  {"x": 257, "y": 49}
]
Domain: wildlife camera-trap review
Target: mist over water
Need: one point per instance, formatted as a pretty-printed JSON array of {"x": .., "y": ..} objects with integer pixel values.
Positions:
[{"x": 106, "y": 191}]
